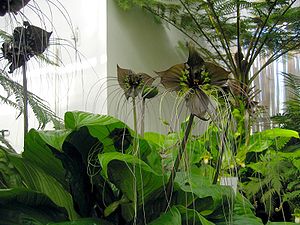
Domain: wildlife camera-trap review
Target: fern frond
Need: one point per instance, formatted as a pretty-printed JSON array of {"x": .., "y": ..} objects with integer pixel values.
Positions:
[
  {"x": 269, "y": 195},
  {"x": 47, "y": 60},
  {"x": 5, "y": 36},
  {"x": 291, "y": 117},
  {"x": 292, "y": 196},
  {"x": 40, "y": 109}
]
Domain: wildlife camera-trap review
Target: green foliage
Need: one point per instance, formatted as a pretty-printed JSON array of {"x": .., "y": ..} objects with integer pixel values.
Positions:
[
  {"x": 172, "y": 217},
  {"x": 60, "y": 170},
  {"x": 275, "y": 181},
  {"x": 38, "y": 180},
  {"x": 21, "y": 206},
  {"x": 83, "y": 222},
  {"x": 9, "y": 177}
]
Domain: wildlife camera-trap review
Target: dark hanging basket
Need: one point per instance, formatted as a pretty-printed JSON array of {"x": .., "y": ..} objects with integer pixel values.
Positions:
[
  {"x": 14, "y": 6},
  {"x": 26, "y": 42}
]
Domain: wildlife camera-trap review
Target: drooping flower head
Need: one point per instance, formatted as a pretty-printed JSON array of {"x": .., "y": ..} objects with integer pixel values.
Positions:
[
  {"x": 27, "y": 41},
  {"x": 193, "y": 79},
  {"x": 133, "y": 83},
  {"x": 14, "y": 6}
]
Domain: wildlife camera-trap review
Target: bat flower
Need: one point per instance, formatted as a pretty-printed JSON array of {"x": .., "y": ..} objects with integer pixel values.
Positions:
[
  {"x": 14, "y": 6},
  {"x": 194, "y": 79},
  {"x": 133, "y": 83},
  {"x": 26, "y": 42}
]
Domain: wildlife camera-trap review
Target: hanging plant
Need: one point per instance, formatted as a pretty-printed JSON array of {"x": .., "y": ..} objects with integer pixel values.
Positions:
[{"x": 27, "y": 41}]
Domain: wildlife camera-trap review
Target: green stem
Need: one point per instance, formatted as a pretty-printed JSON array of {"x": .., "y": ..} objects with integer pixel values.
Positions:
[
  {"x": 135, "y": 153},
  {"x": 143, "y": 117},
  {"x": 181, "y": 151},
  {"x": 135, "y": 150},
  {"x": 219, "y": 163}
]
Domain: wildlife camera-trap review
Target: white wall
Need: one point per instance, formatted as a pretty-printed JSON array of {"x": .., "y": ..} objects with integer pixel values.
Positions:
[{"x": 76, "y": 84}]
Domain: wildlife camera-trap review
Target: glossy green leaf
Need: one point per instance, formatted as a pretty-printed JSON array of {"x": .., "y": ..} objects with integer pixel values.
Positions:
[
  {"x": 156, "y": 138},
  {"x": 133, "y": 177},
  {"x": 37, "y": 180},
  {"x": 278, "y": 132},
  {"x": 85, "y": 221},
  {"x": 243, "y": 212},
  {"x": 9, "y": 176},
  {"x": 191, "y": 216},
  {"x": 109, "y": 130},
  {"x": 20, "y": 205},
  {"x": 55, "y": 138},
  {"x": 77, "y": 119},
  {"x": 280, "y": 223},
  {"x": 208, "y": 199},
  {"x": 37, "y": 152},
  {"x": 172, "y": 217},
  {"x": 119, "y": 169}
]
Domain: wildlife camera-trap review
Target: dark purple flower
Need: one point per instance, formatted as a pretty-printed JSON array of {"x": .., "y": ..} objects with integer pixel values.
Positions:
[
  {"x": 133, "y": 83},
  {"x": 193, "y": 80}
]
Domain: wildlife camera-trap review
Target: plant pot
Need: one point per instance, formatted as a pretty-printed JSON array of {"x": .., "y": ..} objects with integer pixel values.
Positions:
[{"x": 230, "y": 181}]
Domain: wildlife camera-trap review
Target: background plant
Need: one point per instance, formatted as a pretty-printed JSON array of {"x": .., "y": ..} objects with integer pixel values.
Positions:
[{"x": 233, "y": 34}]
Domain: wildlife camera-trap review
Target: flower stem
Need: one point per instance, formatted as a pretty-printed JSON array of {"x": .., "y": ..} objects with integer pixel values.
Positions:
[
  {"x": 181, "y": 151},
  {"x": 25, "y": 100},
  {"x": 143, "y": 117},
  {"x": 135, "y": 153},
  {"x": 219, "y": 162},
  {"x": 135, "y": 150}
]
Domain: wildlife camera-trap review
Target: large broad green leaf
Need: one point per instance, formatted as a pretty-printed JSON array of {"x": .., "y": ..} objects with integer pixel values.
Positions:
[
  {"x": 77, "y": 119},
  {"x": 9, "y": 176},
  {"x": 55, "y": 138},
  {"x": 87, "y": 187},
  {"x": 278, "y": 132},
  {"x": 156, "y": 138},
  {"x": 87, "y": 221},
  {"x": 21, "y": 206},
  {"x": 133, "y": 177},
  {"x": 264, "y": 139},
  {"x": 113, "y": 134},
  {"x": 36, "y": 150},
  {"x": 120, "y": 168},
  {"x": 196, "y": 190},
  {"x": 280, "y": 223},
  {"x": 79, "y": 181},
  {"x": 243, "y": 213},
  {"x": 37, "y": 180},
  {"x": 191, "y": 216},
  {"x": 172, "y": 217}
]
